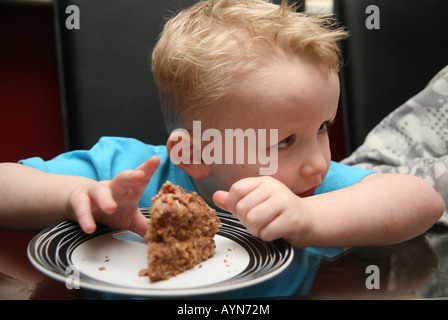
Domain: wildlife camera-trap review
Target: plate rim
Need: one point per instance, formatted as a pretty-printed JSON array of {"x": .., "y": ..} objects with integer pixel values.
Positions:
[{"x": 216, "y": 288}]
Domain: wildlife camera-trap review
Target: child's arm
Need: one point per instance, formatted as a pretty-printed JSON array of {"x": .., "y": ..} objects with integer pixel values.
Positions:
[
  {"x": 381, "y": 209},
  {"x": 32, "y": 199}
]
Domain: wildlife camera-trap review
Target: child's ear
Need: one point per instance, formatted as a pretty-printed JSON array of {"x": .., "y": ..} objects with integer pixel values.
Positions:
[{"x": 181, "y": 152}]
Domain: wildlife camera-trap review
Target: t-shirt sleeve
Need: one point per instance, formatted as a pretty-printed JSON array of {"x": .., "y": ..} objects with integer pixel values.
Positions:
[
  {"x": 102, "y": 162},
  {"x": 340, "y": 176},
  {"x": 78, "y": 163}
]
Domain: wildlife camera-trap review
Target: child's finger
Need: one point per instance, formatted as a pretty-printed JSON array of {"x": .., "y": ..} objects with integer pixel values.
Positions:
[
  {"x": 149, "y": 166},
  {"x": 83, "y": 213},
  {"x": 123, "y": 179},
  {"x": 276, "y": 228},
  {"x": 261, "y": 216},
  {"x": 103, "y": 198},
  {"x": 220, "y": 199},
  {"x": 127, "y": 179},
  {"x": 238, "y": 191}
]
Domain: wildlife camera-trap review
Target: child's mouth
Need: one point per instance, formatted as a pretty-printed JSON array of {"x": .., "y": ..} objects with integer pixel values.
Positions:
[{"x": 307, "y": 193}]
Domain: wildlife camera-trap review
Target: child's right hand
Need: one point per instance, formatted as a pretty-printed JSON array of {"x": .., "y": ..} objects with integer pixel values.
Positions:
[
  {"x": 114, "y": 202},
  {"x": 269, "y": 210}
]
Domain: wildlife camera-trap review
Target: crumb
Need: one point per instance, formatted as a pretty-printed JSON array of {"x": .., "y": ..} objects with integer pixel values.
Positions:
[
  {"x": 102, "y": 268},
  {"x": 143, "y": 273},
  {"x": 107, "y": 259},
  {"x": 200, "y": 266},
  {"x": 228, "y": 249}
]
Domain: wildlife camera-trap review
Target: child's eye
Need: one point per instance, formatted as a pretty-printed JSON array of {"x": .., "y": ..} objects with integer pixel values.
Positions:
[
  {"x": 286, "y": 142},
  {"x": 324, "y": 126}
]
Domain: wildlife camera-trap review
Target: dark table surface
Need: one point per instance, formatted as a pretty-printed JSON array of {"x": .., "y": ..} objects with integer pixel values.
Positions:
[{"x": 415, "y": 269}]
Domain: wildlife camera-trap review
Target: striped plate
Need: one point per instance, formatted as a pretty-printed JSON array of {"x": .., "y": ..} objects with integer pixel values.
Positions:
[{"x": 110, "y": 260}]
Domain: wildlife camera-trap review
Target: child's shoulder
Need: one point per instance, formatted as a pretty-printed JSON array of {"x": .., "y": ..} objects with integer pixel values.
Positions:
[
  {"x": 340, "y": 176},
  {"x": 129, "y": 146},
  {"x": 131, "y": 151},
  {"x": 125, "y": 142}
]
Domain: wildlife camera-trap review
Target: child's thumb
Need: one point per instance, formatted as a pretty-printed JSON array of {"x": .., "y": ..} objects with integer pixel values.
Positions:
[{"x": 220, "y": 199}]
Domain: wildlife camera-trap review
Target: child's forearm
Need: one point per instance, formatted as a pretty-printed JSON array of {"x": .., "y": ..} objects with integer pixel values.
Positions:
[
  {"x": 32, "y": 199},
  {"x": 381, "y": 209}
]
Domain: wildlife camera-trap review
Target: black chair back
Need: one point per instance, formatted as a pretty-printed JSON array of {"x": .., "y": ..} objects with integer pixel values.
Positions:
[
  {"x": 106, "y": 84},
  {"x": 385, "y": 67}
]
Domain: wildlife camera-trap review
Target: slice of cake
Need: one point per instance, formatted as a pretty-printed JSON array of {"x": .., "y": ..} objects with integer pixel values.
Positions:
[{"x": 180, "y": 232}]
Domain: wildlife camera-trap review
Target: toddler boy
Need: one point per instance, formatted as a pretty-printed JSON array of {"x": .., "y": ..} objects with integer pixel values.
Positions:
[{"x": 233, "y": 65}]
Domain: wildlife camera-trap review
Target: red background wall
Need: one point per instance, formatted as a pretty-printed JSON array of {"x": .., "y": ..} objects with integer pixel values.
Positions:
[{"x": 30, "y": 116}]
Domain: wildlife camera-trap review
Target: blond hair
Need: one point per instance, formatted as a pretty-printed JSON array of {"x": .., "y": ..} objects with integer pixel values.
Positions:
[{"x": 204, "y": 49}]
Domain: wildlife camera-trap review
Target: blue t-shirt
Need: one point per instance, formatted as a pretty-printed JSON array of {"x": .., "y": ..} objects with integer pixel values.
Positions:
[{"x": 112, "y": 155}]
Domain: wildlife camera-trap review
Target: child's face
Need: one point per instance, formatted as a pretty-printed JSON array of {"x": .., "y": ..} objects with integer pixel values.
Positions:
[{"x": 299, "y": 100}]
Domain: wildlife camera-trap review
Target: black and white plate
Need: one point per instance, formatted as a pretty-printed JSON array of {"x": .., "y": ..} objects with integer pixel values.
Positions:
[{"x": 110, "y": 260}]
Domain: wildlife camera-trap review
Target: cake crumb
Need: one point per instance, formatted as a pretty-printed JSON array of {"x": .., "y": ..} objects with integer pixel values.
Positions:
[{"x": 143, "y": 273}]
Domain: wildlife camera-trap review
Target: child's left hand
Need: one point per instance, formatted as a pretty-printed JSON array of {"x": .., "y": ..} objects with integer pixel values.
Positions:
[
  {"x": 113, "y": 202},
  {"x": 268, "y": 209}
]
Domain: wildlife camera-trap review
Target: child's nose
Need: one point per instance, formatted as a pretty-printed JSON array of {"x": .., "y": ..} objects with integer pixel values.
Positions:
[{"x": 314, "y": 163}]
